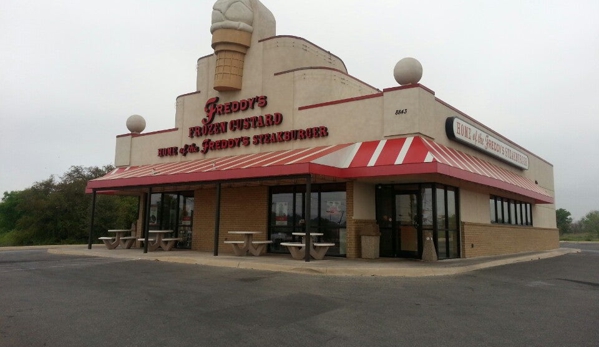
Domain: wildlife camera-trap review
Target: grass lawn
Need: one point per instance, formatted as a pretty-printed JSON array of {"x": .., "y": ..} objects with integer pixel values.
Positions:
[{"x": 579, "y": 237}]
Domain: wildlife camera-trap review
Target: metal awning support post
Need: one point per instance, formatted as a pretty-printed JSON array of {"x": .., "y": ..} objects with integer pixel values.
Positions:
[
  {"x": 91, "y": 223},
  {"x": 147, "y": 221},
  {"x": 307, "y": 240},
  {"x": 217, "y": 220}
]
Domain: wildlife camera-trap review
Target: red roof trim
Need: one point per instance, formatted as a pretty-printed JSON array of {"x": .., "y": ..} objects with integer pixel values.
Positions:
[
  {"x": 150, "y": 133},
  {"x": 310, "y": 68},
  {"x": 326, "y": 68},
  {"x": 409, "y": 86},
  {"x": 187, "y": 94},
  {"x": 342, "y": 101},
  {"x": 302, "y": 39},
  {"x": 206, "y": 56}
]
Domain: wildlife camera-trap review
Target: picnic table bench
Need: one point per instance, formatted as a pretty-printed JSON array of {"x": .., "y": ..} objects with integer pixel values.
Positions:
[
  {"x": 248, "y": 245},
  {"x": 112, "y": 242},
  {"x": 317, "y": 249},
  {"x": 166, "y": 243}
]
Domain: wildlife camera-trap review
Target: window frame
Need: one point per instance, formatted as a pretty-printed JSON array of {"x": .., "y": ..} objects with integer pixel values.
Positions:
[{"x": 517, "y": 212}]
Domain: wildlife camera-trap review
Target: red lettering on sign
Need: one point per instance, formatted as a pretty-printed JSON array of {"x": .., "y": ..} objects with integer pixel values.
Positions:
[
  {"x": 168, "y": 152},
  {"x": 213, "y": 108}
]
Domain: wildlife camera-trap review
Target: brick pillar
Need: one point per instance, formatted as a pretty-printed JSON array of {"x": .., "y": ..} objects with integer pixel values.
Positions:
[
  {"x": 353, "y": 239},
  {"x": 141, "y": 219}
]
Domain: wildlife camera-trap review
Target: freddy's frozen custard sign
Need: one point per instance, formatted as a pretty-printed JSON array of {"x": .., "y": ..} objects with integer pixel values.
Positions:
[{"x": 216, "y": 123}]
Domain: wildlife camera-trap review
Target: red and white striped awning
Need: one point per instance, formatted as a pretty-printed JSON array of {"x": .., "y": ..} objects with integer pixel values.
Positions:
[
  {"x": 418, "y": 155},
  {"x": 256, "y": 165},
  {"x": 377, "y": 154},
  {"x": 393, "y": 157}
]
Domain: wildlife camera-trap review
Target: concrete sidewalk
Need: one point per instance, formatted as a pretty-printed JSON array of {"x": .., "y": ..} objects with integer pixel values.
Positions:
[{"x": 329, "y": 266}]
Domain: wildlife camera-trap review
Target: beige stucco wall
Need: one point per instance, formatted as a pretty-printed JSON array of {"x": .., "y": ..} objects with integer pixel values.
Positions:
[
  {"x": 474, "y": 206},
  {"x": 122, "y": 155},
  {"x": 543, "y": 216},
  {"x": 286, "y": 53},
  {"x": 189, "y": 111},
  {"x": 420, "y": 117},
  {"x": 347, "y": 122},
  {"x": 324, "y": 80},
  {"x": 364, "y": 195}
]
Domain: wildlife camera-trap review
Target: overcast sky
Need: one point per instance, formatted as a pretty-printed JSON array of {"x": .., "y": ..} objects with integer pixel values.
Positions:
[{"x": 71, "y": 72}]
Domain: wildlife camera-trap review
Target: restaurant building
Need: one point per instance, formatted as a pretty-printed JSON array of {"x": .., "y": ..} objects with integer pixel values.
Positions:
[{"x": 278, "y": 137}]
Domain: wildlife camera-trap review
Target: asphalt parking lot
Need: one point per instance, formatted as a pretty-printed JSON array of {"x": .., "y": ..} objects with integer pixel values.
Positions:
[{"x": 58, "y": 300}]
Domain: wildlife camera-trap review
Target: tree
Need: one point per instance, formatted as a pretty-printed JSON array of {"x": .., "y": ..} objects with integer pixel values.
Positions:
[
  {"x": 590, "y": 222},
  {"x": 9, "y": 213},
  {"x": 576, "y": 227},
  {"x": 57, "y": 211},
  {"x": 564, "y": 220}
]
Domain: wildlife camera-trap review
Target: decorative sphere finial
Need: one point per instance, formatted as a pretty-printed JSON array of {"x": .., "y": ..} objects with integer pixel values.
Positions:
[
  {"x": 136, "y": 124},
  {"x": 407, "y": 71}
]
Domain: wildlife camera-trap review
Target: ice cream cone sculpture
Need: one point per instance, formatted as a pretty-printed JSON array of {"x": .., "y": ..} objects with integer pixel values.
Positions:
[
  {"x": 230, "y": 47},
  {"x": 231, "y": 37}
]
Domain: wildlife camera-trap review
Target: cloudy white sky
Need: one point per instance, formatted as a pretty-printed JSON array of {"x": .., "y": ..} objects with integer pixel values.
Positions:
[{"x": 71, "y": 72}]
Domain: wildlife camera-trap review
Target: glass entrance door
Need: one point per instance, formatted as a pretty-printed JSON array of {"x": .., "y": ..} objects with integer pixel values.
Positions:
[
  {"x": 173, "y": 211},
  {"x": 407, "y": 226},
  {"x": 398, "y": 219},
  {"x": 406, "y": 212},
  {"x": 186, "y": 205}
]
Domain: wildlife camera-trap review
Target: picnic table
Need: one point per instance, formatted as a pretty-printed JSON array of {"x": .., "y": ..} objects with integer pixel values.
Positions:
[
  {"x": 317, "y": 249},
  {"x": 166, "y": 243},
  {"x": 120, "y": 238},
  {"x": 241, "y": 248}
]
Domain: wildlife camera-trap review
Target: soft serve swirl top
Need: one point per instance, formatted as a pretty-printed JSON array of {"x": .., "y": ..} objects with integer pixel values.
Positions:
[{"x": 232, "y": 14}]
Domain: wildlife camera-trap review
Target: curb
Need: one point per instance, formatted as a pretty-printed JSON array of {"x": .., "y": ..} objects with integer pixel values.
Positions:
[{"x": 314, "y": 268}]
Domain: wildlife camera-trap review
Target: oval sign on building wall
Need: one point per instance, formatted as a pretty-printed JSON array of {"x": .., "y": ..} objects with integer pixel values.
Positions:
[{"x": 468, "y": 134}]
